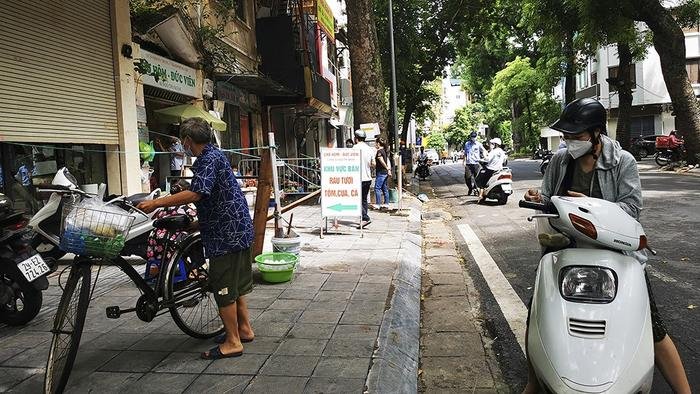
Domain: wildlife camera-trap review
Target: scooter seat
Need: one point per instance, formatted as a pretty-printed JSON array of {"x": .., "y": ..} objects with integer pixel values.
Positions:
[
  {"x": 173, "y": 223},
  {"x": 138, "y": 198}
]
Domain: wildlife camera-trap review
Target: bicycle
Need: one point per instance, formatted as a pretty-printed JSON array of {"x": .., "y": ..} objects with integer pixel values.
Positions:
[{"x": 181, "y": 287}]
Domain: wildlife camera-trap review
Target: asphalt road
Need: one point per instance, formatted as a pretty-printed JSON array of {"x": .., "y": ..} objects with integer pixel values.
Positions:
[{"x": 671, "y": 219}]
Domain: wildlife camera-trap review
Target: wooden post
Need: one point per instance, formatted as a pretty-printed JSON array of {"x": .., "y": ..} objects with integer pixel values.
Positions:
[{"x": 262, "y": 202}]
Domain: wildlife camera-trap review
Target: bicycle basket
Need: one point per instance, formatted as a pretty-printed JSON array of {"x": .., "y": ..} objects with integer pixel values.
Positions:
[{"x": 93, "y": 232}]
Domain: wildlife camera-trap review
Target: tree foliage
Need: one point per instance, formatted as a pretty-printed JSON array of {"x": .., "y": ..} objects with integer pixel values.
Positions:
[
  {"x": 436, "y": 140},
  {"x": 519, "y": 85},
  {"x": 467, "y": 119},
  {"x": 422, "y": 31}
]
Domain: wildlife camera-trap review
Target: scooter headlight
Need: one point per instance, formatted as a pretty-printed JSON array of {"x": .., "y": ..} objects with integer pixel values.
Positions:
[{"x": 588, "y": 284}]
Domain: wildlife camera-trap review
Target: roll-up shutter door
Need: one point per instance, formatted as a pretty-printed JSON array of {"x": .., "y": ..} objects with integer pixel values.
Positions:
[{"x": 56, "y": 72}]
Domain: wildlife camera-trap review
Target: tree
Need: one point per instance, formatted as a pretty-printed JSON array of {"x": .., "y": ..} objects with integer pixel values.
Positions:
[
  {"x": 467, "y": 119},
  {"x": 518, "y": 85},
  {"x": 423, "y": 30},
  {"x": 436, "y": 140},
  {"x": 669, "y": 42},
  {"x": 368, "y": 92}
]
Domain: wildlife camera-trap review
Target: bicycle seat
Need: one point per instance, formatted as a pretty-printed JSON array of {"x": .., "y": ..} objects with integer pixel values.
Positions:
[
  {"x": 173, "y": 223},
  {"x": 138, "y": 198}
]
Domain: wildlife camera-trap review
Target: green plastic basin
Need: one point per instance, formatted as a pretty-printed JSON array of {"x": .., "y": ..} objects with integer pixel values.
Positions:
[{"x": 276, "y": 267}]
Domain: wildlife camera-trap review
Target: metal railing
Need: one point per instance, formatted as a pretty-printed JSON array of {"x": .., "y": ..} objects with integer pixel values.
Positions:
[{"x": 296, "y": 176}]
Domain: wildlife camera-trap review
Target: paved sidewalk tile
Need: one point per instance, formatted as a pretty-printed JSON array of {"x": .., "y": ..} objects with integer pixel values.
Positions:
[
  {"x": 101, "y": 382},
  {"x": 161, "y": 383},
  {"x": 182, "y": 363},
  {"x": 312, "y": 331},
  {"x": 219, "y": 384},
  {"x": 334, "y": 385},
  {"x": 247, "y": 364},
  {"x": 281, "y": 365},
  {"x": 342, "y": 367},
  {"x": 271, "y": 384},
  {"x": 343, "y": 347},
  {"x": 134, "y": 361},
  {"x": 301, "y": 346}
]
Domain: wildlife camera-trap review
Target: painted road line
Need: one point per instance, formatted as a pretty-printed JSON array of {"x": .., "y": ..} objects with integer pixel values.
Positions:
[{"x": 512, "y": 307}]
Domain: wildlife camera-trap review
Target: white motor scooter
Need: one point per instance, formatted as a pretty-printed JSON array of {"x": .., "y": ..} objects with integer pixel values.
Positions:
[
  {"x": 499, "y": 186},
  {"x": 590, "y": 323},
  {"x": 46, "y": 223}
]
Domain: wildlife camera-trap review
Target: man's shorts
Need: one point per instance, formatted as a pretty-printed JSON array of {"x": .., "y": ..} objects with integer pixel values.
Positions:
[{"x": 230, "y": 276}]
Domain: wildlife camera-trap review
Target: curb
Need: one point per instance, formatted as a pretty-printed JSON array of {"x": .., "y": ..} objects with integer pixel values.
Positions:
[{"x": 395, "y": 362}]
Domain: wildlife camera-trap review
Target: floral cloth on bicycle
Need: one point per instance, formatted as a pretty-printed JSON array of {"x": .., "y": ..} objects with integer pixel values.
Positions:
[{"x": 158, "y": 238}]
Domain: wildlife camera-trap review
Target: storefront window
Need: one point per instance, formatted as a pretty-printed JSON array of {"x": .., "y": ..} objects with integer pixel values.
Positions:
[{"x": 29, "y": 165}]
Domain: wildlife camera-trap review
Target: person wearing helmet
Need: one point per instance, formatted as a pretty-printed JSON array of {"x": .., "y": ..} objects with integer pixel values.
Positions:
[
  {"x": 473, "y": 152},
  {"x": 596, "y": 166},
  {"x": 367, "y": 157},
  {"x": 493, "y": 162}
]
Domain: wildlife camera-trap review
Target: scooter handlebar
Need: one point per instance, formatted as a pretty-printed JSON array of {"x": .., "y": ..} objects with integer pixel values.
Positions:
[{"x": 533, "y": 205}]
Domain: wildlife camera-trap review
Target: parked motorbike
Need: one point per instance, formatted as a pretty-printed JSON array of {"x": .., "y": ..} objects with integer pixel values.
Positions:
[
  {"x": 22, "y": 270},
  {"x": 590, "y": 327},
  {"x": 545, "y": 161},
  {"x": 666, "y": 156},
  {"x": 423, "y": 169},
  {"x": 539, "y": 154},
  {"x": 64, "y": 193},
  {"x": 499, "y": 185}
]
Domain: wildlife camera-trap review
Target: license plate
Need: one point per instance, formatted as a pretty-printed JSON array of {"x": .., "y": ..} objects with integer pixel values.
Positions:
[{"x": 33, "y": 268}]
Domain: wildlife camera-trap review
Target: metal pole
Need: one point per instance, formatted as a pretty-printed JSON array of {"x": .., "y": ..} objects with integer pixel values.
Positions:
[
  {"x": 394, "y": 105},
  {"x": 275, "y": 181}
]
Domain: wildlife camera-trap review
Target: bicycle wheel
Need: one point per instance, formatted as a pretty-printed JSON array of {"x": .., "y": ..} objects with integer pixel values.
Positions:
[
  {"x": 67, "y": 328},
  {"x": 187, "y": 288}
]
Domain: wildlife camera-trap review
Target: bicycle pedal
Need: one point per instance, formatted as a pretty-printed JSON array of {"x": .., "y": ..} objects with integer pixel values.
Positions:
[{"x": 113, "y": 312}]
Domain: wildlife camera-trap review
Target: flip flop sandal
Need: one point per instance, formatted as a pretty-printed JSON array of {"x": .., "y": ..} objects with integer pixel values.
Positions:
[
  {"x": 221, "y": 338},
  {"x": 215, "y": 354}
]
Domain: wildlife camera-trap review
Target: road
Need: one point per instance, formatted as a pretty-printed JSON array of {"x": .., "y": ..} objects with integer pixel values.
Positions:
[{"x": 671, "y": 218}]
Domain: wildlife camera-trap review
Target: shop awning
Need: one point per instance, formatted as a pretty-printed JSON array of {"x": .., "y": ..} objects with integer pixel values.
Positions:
[
  {"x": 258, "y": 84},
  {"x": 179, "y": 113}
]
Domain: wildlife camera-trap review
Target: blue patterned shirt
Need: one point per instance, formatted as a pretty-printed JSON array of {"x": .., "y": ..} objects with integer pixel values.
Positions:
[{"x": 224, "y": 219}]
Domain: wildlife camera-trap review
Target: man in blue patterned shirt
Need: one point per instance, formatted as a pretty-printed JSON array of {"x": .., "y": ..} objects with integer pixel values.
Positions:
[{"x": 227, "y": 234}]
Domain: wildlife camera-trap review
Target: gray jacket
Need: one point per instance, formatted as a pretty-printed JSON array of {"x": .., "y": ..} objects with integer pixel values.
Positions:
[{"x": 616, "y": 172}]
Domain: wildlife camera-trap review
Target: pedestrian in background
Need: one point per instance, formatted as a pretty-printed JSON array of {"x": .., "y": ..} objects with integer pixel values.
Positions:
[
  {"x": 349, "y": 143},
  {"x": 227, "y": 234},
  {"x": 367, "y": 157},
  {"x": 381, "y": 183},
  {"x": 22, "y": 188},
  {"x": 473, "y": 152}
]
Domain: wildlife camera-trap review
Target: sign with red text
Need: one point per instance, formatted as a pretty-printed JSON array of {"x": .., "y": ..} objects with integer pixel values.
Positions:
[{"x": 340, "y": 182}]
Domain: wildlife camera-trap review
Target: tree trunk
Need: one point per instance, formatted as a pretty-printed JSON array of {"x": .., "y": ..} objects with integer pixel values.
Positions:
[
  {"x": 624, "y": 118},
  {"x": 669, "y": 42},
  {"x": 569, "y": 69},
  {"x": 367, "y": 80},
  {"x": 408, "y": 113}
]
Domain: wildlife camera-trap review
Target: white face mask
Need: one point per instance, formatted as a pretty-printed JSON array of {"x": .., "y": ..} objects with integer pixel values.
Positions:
[{"x": 578, "y": 148}]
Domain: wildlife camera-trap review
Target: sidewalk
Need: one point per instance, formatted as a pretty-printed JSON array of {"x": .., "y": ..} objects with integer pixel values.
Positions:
[
  {"x": 348, "y": 322},
  {"x": 454, "y": 354}
]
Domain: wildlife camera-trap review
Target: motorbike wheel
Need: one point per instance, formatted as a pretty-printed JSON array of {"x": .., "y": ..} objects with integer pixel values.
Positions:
[
  {"x": 193, "y": 307},
  {"x": 23, "y": 300},
  {"x": 502, "y": 199},
  {"x": 662, "y": 158},
  {"x": 68, "y": 328},
  {"x": 643, "y": 153}
]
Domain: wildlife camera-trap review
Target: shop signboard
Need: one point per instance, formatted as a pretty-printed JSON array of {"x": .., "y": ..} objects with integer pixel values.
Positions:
[
  {"x": 340, "y": 182},
  {"x": 232, "y": 95},
  {"x": 324, "y": 15},
  {"x": 168, "y": 74}
]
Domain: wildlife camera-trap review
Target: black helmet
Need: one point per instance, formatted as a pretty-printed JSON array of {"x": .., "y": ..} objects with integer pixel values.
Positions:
[
  {"x": 472, "y": 134},
  {"x": 580, "y": 116}
]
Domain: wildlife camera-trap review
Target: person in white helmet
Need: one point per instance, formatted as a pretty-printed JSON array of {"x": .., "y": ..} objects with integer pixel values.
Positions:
[{"x": 494, "y": 162}]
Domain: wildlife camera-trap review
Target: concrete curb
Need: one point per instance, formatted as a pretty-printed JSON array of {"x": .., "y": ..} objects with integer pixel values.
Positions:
[{"x": 395, "y": 362}]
